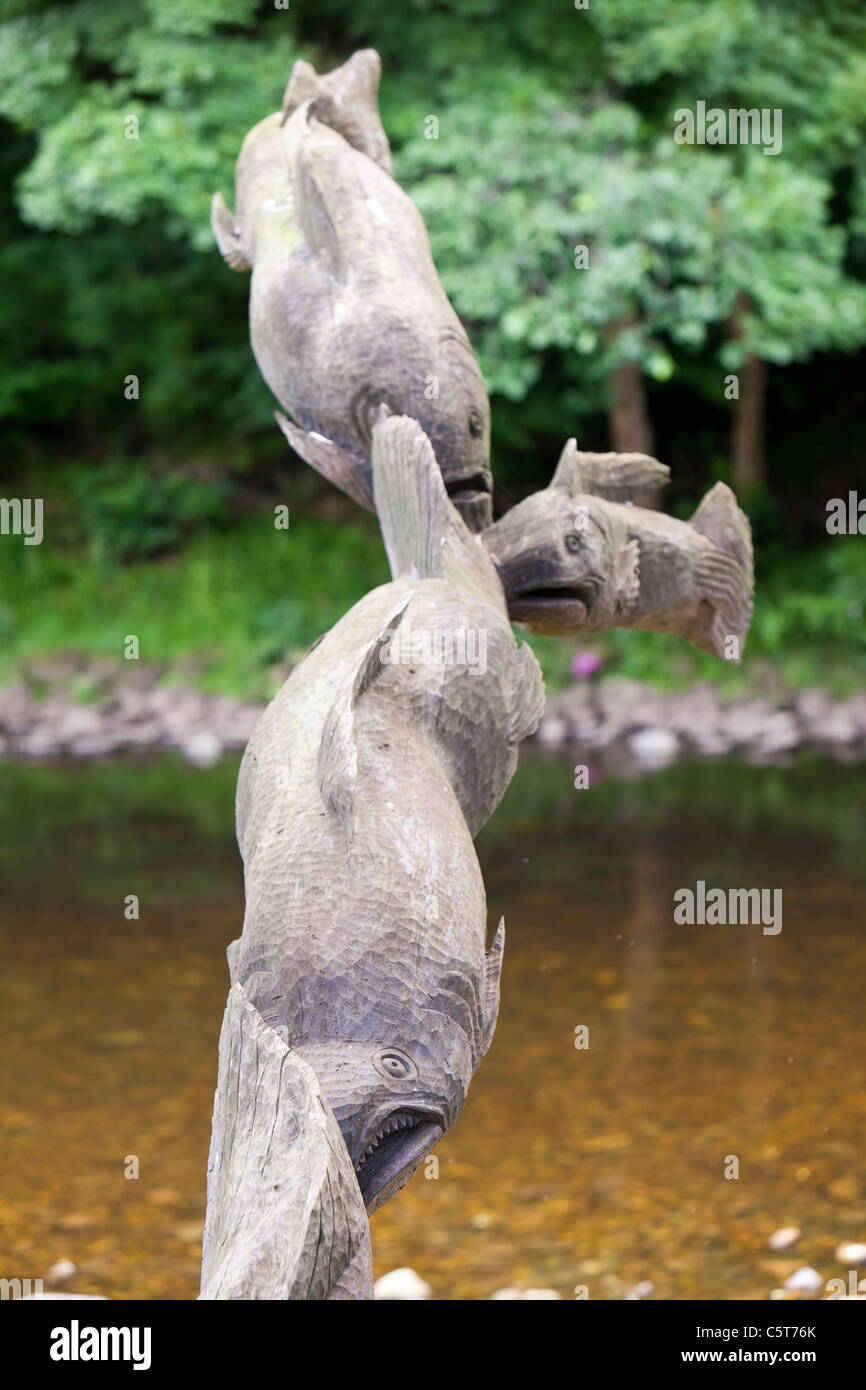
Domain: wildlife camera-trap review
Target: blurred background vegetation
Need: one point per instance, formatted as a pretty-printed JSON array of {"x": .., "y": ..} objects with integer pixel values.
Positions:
[{"x": 555, "y": 130}]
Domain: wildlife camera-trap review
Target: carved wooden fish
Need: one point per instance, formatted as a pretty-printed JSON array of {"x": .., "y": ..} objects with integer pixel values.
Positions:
[
  {"x": 577, "y": 557},
  {"x": 359, "y": 793},
  {"x": 346, "y": 309}
]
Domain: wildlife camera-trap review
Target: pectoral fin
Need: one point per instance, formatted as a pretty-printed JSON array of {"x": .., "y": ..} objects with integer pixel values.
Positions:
[
  {"x": 328, "y": 459},
  {"x": 227, "y": 233},
  {"x": 628, "y": 577},
  {"x": 337, "y": 762}
]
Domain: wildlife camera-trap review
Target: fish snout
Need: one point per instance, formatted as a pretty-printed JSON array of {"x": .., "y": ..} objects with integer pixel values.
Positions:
[
  {"x": 472, "y": 495},
  {"x": 391, "y": 1146}
]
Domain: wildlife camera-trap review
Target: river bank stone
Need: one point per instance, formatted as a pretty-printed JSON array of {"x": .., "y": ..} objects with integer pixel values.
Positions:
[{"x": 75, "y": 706}]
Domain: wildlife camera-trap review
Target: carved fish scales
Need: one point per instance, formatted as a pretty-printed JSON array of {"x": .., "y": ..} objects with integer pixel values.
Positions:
[{"x": 362, "y": 786}]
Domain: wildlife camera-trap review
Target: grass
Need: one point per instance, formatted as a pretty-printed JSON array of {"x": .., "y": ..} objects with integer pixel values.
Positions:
[
  {"x": 236, "y": 598},
  {"x": 220, "y": 612}
]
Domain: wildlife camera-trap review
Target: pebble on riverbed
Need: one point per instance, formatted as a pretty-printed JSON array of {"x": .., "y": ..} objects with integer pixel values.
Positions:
[
  {"x": 528, "y": 1295},
  {"x": 784, "y": 1238},
  {"x": 401, "y": 1285},
  {"x": 805, "y": 1281},
  {"x": 645, "y": 1289},
  {"x": 851, "y": 1254},
  {"x": 657, "y": 747}
]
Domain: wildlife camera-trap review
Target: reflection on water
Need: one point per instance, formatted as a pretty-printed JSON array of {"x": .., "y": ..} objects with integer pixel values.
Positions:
[{"x": 599, "y": 1167}]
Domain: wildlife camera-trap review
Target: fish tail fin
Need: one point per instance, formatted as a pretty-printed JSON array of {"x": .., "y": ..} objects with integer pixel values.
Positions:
[
  {"x": 425, "y": 536},
  {"x": 726, "y": 573},
  {"x": 346, "y": 99}
]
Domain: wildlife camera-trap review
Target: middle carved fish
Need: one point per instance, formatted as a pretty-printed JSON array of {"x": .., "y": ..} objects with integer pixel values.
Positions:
[{"x": 359, "y": 794}]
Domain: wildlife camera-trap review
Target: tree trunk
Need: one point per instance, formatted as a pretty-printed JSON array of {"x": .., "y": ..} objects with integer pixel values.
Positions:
[
  {"x": 630, "y": 429},
  {"x": 748, "y": 462}
]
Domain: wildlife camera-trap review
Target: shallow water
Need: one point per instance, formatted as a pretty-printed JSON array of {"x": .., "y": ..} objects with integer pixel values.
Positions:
[{"x": 596, "y": 1168}]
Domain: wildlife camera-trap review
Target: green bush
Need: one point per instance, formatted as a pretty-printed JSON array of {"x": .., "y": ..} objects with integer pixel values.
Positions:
[{"x": 127, "y": 511}]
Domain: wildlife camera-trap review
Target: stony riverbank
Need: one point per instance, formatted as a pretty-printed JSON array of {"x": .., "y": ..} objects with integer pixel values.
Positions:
[{"x": 77, "y": 707}]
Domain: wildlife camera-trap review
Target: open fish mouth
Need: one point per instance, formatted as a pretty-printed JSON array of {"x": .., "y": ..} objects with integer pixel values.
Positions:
[
  {"x": 472, "y": 498},
  {"x": 468, "y": 489},
  {"x": 393, "y": 1152},
  {"x": 569, "y": 603}
]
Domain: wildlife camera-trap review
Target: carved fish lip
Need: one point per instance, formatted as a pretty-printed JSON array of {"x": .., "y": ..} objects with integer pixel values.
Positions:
[
  {"x": 470, "y": 488},
  {"x": 576, "y": 598},
  {"x": 395, "y": 1147},
  {"x": 472, "y": 496}
]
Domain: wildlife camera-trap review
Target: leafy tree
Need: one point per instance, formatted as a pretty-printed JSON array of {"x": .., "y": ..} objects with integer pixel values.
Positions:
[{"x": 555, "y": 131}]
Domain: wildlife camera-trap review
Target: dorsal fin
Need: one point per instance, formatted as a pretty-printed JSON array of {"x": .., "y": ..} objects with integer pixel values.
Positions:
[
  {"x": 492, "y": 974},
  {"x": 616, "y": 477},
  {"x": 425, "y": 536},
  {"x": 311, "y": 202},
  {"x": 337, "y": 762}
]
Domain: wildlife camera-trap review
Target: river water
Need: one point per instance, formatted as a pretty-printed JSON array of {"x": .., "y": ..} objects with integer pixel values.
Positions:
[{"x": 722, "y": 1094}]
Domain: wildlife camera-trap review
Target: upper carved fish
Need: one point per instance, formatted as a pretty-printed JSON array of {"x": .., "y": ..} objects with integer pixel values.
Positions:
[{"x": 346, "y": 309}]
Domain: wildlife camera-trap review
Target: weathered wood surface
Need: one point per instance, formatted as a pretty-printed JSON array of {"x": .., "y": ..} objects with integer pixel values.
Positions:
[
  {"x": 579, "y": 557},
  {"x": 347, "y": 311},
  {"x": 363, "y": 995},
  {"x": 285, "y": 1218},
  {"x": 359, "y": 795}
]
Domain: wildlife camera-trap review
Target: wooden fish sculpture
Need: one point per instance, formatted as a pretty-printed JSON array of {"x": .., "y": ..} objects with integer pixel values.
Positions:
[
  {"x": 580, "y": 557},
  {"x": 364, "y": 782},
  {"x": 346, "y": 308}
]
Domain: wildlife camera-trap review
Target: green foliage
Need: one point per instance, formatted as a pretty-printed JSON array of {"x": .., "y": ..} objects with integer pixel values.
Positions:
[
  {"x": 225, "y": 607},
  {"x": 125, "y": 511},
  {"x": 555, "y": 130}
]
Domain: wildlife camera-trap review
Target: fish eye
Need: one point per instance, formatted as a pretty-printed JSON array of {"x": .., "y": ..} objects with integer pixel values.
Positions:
[
  {"x": 393, "y": 1063},
  {"x": 573, "y": 542},
  {"x": 476, "y": 424}
]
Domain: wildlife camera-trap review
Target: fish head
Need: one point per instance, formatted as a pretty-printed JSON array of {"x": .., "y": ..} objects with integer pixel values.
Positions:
[
  {"x": 393, "y": 1099},
  {"x": 566, "y": 562},
  {"x": 434, "y": 379},
  {"x": 455, "y": 416}
]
